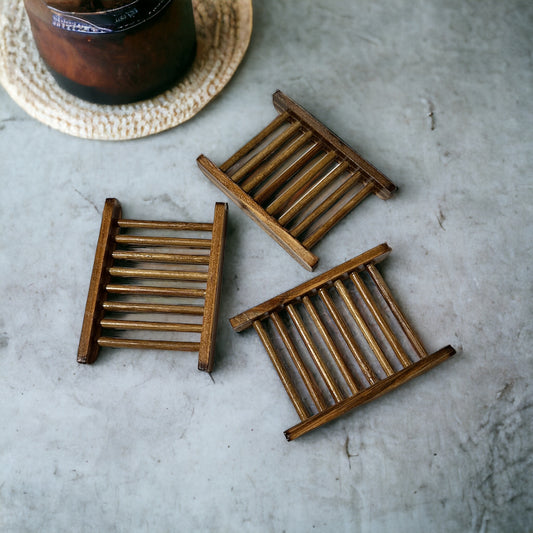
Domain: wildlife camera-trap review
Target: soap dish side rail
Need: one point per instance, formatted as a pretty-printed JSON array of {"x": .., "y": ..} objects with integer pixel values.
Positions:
[
  {"x": 338, "y": 341},
  {"x": 297, "y": 179},
  {"x": 195, "y": 275}
]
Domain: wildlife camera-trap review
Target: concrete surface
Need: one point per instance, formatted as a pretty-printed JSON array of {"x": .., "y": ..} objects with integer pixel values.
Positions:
[{"x": 438, "y": 96}]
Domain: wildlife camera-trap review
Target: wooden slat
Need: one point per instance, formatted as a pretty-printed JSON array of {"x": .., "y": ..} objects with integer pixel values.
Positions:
[
  {"x": 295, "y": 207},
  {"x": 330, "y": 201},
  {"x": 380, "y": 319},
  {"x": 265, "y": 152},
  {"x": 307, "y": 377},
  {"x": 150, "y": 326},
  {"x": 162, "y": 225},
  {"x": 88, "y": 347},
  {"x": 183, "y": 275},
  {"x": 273, "y": 185},
  {"x": 330, "y": 343},
  {"x": 117, "y": 342},
  {"x": 384, "y": 187},
  {"x": 178, "y": 292},
  {"x": 258, "y": 214},
  {"x": 130, "y": 307},
  {"x": 315, "y": 354},
  {"x": 349, "y": 339},
  {"x": 271, "y": 165},
  {"x": 139, "y": 240},
  {"x": 244, "y": 320},
  {"x": 370, "y": 393},
  {"x": 184, "y": 259},
  {"x": 253, "y": 143},
  {"x": 363, "y": 326},
  {"x": 310, "y": 241},
  {"x": 395, "y": 309},
  {"x": 213, "y": 287},
  {"x": 282, "y": 372},
  {"x": 299, "y": 183}
]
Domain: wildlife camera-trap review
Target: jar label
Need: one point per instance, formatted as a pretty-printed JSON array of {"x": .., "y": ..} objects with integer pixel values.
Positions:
[{"x": 112, "y": 20}]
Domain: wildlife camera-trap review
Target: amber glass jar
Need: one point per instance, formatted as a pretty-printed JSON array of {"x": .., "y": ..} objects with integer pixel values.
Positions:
[{"x": 114, "y": 51}]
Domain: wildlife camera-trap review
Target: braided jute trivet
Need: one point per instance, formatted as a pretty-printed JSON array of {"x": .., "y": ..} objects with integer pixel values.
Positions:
[{"x": 223, "y": 31}]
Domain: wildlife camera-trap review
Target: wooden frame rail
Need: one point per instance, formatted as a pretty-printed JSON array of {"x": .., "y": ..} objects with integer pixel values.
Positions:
[
  {"x": 297, "y": 179},
  {"x": 339, "y": 340},
  {"x": 186, "y": 268}
]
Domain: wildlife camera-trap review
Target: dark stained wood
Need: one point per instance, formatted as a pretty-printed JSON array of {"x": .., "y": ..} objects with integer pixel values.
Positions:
[
  {"x": 384, "y": 187},
  {"x": 266, "y": 221},
  {"x": 371, "y": 393},
  {"x": 161, "y": 224},
  {"x": 214, "y": 284},
  {"x": 90, "y": 331},
  {"x": 139, "y": 240},
  {"x": 146, "y": 290},
  {"x": 118, "y": 342},
  {"x": 185, "y": 259},
  {"x": 309, "y": 357},
  {"x": 205, "y": 284},
  {"x": 184, "y": 275},
  {"x": 296, "y": 400},
  {"x": 285, "y": 167},
  {"x": 244, "y": 320},
  {"x": 307, "y": 376}
]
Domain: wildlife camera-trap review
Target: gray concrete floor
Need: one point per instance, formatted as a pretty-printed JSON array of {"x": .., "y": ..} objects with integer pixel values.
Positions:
[{"x": 438, "y": 96}]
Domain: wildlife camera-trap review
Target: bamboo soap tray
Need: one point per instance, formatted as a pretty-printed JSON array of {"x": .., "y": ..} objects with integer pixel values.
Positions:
[
  {"x": 296, "y": 179},
  {"x": 339, "y": 341},
  {"x": 188, "y": 268}
]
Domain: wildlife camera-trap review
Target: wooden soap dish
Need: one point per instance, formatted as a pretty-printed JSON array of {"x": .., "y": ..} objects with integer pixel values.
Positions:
[
  {"x": 296, "y": 179},
  {"x": 338, "y": 341},
  {"x": 190, "y": 268}
]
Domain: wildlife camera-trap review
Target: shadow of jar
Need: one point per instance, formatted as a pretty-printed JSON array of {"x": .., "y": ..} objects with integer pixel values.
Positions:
[{"x": 114, "y": 51}]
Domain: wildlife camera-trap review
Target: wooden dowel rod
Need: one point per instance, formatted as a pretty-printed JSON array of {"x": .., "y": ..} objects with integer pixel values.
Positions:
[
  {"x": 299, "y": 183},
  {"x": 130, "y": 307},
  {"x": 346, "y": 334},
  {"x": 183, "y": 275},
  {"x": 282, "y": 372},
  {"x": 363, "y": 326},
  {"x": 116, "y": 342},
  {"x": 150, "y": 326},
  {"x": 249, "y": 146},
  {"x": 206, "y": 352},
  {"x": 307, "y": 377},
  {"x": 310, "y": 241},
  {"x": 267, "y": 190},
  {"x": 330, "y": 343},
  {"x": 332, "y": 199},
  {"x": 380, "y": 319},
  {"x": 270, "y": 148},
  {"x": 139, "y": 240},
  {"x": 184, "y": 259},
  {"x": 156, "y": 224},
  {"x": 178, "y": 292},
  {"x": 395, "y": 309},
  {"x": 293, "y": 209},
  {"x": 315, "y": 355},
  {"x": 267, "y": 168},
  {"x": 371, "y": 393}
]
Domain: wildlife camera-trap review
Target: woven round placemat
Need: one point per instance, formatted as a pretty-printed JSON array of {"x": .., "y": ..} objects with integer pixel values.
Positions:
[{"x": 223, "y": 31}]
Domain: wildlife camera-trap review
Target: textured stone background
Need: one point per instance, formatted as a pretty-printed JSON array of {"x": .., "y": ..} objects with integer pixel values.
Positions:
[{"x": 438, "y": 96}]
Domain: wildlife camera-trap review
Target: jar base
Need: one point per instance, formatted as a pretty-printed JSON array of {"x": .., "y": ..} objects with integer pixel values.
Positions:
[{"x": 97, "y": 96}]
